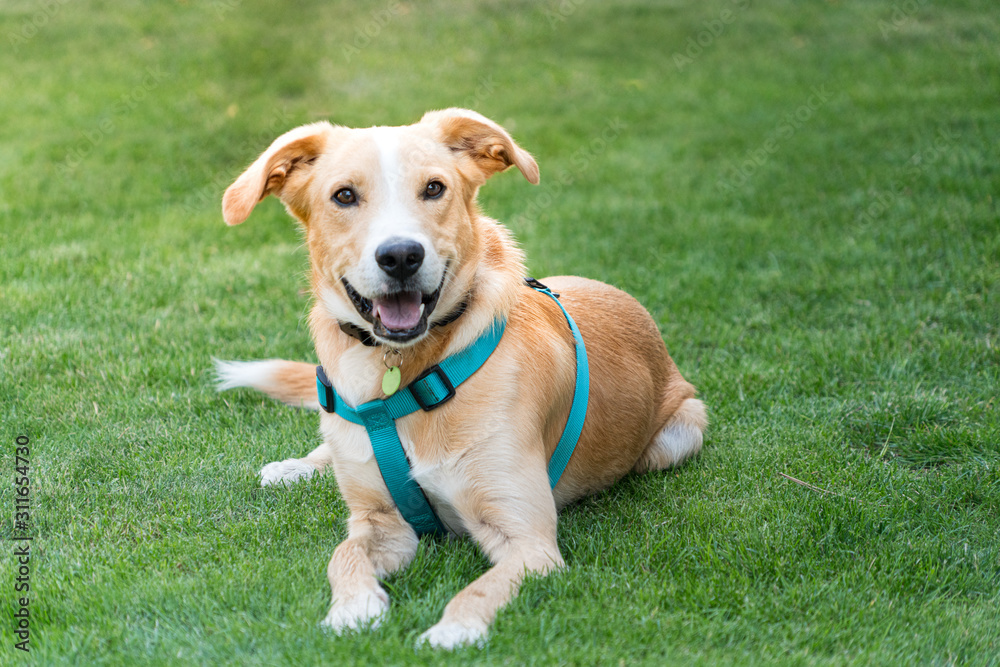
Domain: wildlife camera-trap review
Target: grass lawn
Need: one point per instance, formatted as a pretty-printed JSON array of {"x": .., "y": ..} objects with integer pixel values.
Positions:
[{"x": 804, "y": 194}]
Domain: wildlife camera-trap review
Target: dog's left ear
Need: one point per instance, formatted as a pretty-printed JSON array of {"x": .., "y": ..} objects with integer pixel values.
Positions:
[{"x": 488, "y": 145}]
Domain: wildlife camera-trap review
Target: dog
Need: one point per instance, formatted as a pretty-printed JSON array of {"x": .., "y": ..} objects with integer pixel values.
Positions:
[{"x": 406, "y": 271}]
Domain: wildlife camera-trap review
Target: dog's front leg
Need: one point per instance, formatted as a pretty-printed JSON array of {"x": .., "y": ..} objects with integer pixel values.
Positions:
[
  {"x": 514, "y": 522},
  {"x": 379, "y": 542},
  {"x": 467, "y": 617}
]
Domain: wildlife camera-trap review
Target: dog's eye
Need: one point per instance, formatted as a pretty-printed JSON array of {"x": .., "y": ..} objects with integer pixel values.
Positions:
[
  {"x": 434, "y": 190},
  {"x": 345, "y": 197}
]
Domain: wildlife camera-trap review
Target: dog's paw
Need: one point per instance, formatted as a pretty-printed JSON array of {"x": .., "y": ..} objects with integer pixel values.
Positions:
[
  {"x": 363, "y": 611},
  {"x": 288, "y": 471},
  {"x": 450, "y": 635}
]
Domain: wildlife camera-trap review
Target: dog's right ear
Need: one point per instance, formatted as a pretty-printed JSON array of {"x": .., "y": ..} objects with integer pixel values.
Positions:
[{"x": 273, "y": 171}]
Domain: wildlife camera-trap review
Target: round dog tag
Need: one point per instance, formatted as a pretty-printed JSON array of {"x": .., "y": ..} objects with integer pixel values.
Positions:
[{"x": 390, "y": 381}]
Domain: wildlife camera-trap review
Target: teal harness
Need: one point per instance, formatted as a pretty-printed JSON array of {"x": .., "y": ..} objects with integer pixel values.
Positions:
[{"x": 435, "y": 387}]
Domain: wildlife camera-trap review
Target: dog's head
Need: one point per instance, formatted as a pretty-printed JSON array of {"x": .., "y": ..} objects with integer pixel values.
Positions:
[{"x": 388, "y": 212}]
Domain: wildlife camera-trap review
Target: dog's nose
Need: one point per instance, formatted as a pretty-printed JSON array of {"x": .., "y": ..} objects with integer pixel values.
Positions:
[{"x": 400, "y": 258}]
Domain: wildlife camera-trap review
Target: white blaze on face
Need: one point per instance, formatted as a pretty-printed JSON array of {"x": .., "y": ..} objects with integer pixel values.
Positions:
[{"x": 396, "y": 217}]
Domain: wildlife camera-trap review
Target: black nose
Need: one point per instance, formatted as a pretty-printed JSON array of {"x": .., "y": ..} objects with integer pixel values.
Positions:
[{"x": 400, "y": 258}]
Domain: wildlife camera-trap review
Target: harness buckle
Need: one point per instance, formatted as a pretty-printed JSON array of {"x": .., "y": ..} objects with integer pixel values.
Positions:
[
  {"x": 415, "y": 388},
  {"x": 541, "y": 287},
  {"x": 325, "y": 390}
]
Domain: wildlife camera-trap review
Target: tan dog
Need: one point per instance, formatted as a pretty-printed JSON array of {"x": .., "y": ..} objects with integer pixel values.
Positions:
[{"x": 397, "y": 245}]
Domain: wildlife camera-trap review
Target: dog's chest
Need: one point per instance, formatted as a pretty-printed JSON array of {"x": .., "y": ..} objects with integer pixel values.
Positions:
[
  {"x": 443, "y": 489},
  {"x": 437, "y": 473},
  {"x": 440, "y": 480}
]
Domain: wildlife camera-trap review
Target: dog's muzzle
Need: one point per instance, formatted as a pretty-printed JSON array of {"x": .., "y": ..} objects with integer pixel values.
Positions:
[{"x": 398, "y": 317}]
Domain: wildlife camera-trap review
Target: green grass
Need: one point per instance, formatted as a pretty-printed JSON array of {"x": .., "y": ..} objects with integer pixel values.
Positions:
[{"x": 835, "y": 302}]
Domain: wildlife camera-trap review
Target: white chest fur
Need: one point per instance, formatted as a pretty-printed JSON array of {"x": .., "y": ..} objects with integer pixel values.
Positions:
[{"x": 439, "y": 479}]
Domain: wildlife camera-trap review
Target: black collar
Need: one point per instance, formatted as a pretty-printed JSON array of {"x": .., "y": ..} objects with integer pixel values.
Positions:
[{"x": 368, "y": 340}]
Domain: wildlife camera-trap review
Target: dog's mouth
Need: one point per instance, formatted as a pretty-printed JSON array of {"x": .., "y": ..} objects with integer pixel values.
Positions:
[{"x": 398, "y": 317}]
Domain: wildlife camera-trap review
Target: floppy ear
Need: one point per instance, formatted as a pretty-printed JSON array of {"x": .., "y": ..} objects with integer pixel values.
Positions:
[
  {"x": 487, "y": 144},
  {"x": 271, "y": 172}
]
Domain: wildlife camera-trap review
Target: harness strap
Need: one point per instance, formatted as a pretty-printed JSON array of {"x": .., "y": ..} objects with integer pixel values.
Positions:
[
  {"x": 581, "y": 395},
  {"x": 433, "y": 388},
  {"x": 395, "y": 469}
]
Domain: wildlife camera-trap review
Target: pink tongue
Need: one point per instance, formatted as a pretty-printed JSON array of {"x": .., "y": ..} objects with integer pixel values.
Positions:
[{"x": 399, "y": 312}]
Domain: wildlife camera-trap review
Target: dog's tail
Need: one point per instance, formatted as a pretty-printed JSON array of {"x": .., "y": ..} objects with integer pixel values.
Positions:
[{"x": 290, "y": 382}]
